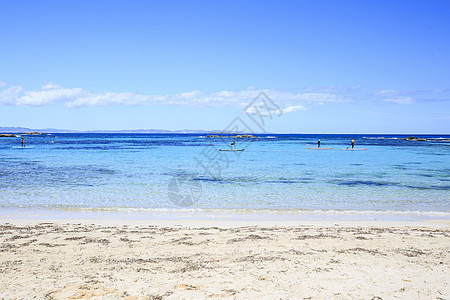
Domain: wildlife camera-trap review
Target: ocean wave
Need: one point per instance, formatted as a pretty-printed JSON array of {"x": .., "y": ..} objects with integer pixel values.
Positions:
[
  {"x": 381, "y": 138},
  {"x": 343, "y": 212}
]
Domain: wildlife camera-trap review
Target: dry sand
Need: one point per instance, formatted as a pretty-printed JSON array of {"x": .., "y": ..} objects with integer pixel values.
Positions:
[{"x": 79, "y": 261}]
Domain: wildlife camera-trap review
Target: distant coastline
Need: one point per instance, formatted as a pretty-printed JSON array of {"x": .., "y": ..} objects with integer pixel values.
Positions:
[
  {"x": 21, "y": 130},
  {"x": 55, "y": 130}
]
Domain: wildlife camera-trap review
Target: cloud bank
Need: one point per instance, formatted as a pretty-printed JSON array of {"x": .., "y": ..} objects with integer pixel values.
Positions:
[
  {"x": 77, "y": 97},
  {"x": 288, "y": 101}
]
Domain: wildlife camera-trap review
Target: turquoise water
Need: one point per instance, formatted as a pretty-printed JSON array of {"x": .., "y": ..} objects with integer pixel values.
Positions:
[{"x": 186, "y": 171}]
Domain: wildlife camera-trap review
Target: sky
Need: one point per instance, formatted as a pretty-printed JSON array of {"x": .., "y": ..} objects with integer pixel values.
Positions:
[{"x": 327, "y": 66}]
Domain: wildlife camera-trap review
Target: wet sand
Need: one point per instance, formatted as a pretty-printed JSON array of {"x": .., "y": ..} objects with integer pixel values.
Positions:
[{"x": 139, "y": 261}]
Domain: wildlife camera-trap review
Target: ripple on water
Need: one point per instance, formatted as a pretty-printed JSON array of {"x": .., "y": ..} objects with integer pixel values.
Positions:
[{"x": 354, "y": 183}]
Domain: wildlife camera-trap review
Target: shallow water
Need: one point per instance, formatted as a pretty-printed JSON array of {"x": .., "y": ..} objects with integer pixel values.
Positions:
[{"x": 275, "y": 172}]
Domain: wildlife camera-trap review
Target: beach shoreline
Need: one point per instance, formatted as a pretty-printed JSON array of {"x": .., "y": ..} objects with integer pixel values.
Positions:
[
  {"x": 111, "y": 258},
  {"x": 224, "y": 218}
]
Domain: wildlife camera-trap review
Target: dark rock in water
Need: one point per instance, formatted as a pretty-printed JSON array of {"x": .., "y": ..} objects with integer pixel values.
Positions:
[
  {"x": 33, "y": 133},
  {"x": 233, "y": 136},
  {"x": 413, "y": 138},
  {"x": 7, "y": 135},
  {"x": 243, "y": 136}
]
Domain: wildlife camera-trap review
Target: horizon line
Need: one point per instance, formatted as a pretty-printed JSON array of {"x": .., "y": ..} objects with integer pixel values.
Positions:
[{"x": 18, "y": 129}]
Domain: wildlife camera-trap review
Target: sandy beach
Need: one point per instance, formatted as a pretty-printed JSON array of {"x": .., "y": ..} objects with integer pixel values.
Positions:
[{"x": 56, "y": 260}]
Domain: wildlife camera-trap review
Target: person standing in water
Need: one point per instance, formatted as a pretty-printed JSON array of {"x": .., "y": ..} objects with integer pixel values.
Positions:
[
  {"x": 233, "y": 144},
  {"x": 21, "y": 142},
  {"x": 353, "y": 143},
  {"x": 318, "y": 143}
]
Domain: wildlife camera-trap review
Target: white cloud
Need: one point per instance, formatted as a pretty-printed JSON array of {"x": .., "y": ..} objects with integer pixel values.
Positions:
[
  {"x": 400, "y": 100},
  {"x": 50, "y": 86},
  {"x": 387, "y": 92},
  {"x": 262, "y": 112},
  {"x": 394, "y": 96},
  {"x": 49, "y": 94},
  {"x": 10, "y": 95},
  {"x": 288, "y": 101},
  {"x": 291, "y": 100},
  {"x": 267, "y": 111},
  {"x": 293, "y": 108},
  {"x": 106, "y": 99},
  {"x": 201, "y": 99}
]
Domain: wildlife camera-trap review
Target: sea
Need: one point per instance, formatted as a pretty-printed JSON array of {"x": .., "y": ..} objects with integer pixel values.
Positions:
[{"x": 189, "y": 173}]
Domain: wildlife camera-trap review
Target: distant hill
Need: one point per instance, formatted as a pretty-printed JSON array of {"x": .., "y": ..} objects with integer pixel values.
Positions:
[
  {"x": 25, "y": 129},
  {"x": 54, "y": 130}
]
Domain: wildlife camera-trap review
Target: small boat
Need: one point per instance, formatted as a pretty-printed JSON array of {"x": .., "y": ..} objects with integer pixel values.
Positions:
[
  {"x": 24, "y": 147},
  {"x": 354, "y": 149}
]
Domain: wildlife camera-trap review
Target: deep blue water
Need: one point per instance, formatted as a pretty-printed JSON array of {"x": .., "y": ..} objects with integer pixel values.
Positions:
[{"x": 275, "y": 172}]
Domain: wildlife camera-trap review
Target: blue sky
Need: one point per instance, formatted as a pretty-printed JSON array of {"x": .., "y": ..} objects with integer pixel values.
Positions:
[{"x": 330, "y": 66}]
